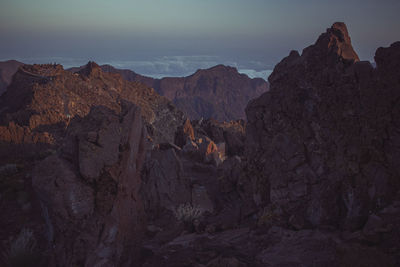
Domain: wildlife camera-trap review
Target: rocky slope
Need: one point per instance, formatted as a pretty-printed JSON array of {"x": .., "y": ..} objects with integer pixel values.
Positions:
[
  {"x": 7, "y": 70},
  {"x": 73, "y": 145},
  {"x": 220, "y": 92}
]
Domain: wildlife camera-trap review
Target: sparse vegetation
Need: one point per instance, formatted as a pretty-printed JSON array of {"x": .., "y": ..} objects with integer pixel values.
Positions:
[
  {"x": 187, "y": 212},
  {"x": 23, "y": 250},
  {"x": 266, "y": 217}
]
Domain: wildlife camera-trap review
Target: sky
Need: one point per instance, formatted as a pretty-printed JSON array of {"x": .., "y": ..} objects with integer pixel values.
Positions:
[{"x": 176, "y": 37}]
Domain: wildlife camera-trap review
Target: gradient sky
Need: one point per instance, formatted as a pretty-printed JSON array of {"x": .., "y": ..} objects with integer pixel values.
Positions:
[{"x": 172, "y": 36}]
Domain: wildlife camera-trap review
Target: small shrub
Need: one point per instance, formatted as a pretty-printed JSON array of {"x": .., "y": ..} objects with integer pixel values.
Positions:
[
  {"x": 187, "y": 213},
  {"x": 267, "y": 217},
  {"x": 23, "y": 249}
]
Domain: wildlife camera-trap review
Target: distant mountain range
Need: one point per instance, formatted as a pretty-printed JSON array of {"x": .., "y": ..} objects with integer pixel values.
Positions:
[{"x": 220, "y": 92}]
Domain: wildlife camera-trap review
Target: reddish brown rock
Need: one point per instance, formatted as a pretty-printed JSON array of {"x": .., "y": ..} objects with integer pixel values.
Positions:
[
  {"x": 324, "y": 142},
  {"x": 231, "y": 133},
  {"x": 220, "y": 92},
  {"x": 91, "y": 204},
  {"x": 184, "y": 134},
  {"x": 45, "y": 98}
]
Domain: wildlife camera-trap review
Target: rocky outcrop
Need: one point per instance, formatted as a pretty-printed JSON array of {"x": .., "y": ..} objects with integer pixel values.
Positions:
[
  {"x": 231, "y": 133},
  {"x": 323, "y": 144},
  {"x": 220, "y": 92},
  {"x": 90, "y": 190},
  {"x": 85, "y": 137},
  {"x": 43, "y": 98},
  {"x": 7, "y": 70},
  {"x": 184, "y": 134}
]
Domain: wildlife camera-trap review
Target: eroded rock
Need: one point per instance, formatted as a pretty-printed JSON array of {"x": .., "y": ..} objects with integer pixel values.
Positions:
[
  {"x": 315, "y": 143},
  {"x": 92, "y": 207}
]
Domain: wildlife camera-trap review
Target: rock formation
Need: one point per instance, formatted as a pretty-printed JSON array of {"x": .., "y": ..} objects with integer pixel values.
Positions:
[
  {"x": 220, "y": 93},
  {"x": 94, "y": 213},
  {"x": 80, "y": 141},
  {"x": 44, "y": 96},
  {"x": 322, "y": 145}
]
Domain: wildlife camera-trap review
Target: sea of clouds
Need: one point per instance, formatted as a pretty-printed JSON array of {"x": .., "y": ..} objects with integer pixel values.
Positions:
[{"x": 164, "y": 66}]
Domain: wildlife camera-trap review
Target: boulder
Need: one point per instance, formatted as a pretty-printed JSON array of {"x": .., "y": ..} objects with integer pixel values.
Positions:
[
  {"x": 91, "y": 204},
  {"x": 184, "y": 134}
]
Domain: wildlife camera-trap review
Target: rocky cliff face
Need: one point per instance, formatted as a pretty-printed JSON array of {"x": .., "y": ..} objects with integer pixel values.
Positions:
[
  {"x": 7, "y": 70},
  {"x": 220, "y": 92},
  {"x": 323, "y": 144}
]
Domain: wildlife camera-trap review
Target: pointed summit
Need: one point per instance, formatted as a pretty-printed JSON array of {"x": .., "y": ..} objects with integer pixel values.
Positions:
[
  {"x": 331, "y": 53},
  {"x": 340, "y": 41},
  {"x": 91, "y": 69},
  {"x": 334, "y": 45}
]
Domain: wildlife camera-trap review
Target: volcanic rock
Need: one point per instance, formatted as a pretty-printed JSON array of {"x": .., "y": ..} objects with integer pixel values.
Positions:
[
  {"x": 323, "y": 143},
  {"x": 92, "y": 207},
  {"x": 220, "y": 92},
  {"x": 43, "y": 99},
  {"x": 231, "y": 133},
  {"x": 184, "y": 134}
]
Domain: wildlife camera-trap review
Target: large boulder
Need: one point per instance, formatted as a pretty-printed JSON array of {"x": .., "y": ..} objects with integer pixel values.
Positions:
[{"x": 89, "y": 191}]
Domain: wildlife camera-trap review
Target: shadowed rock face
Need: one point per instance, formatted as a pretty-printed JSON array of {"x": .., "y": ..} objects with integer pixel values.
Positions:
[
  {"x": 323, "y": 144},
  {"x": 219, "y": 92},
  {"x": 94, "y": 214},
  {"x": 7, "y": 70},
  {"x": 85, "y": 135}
]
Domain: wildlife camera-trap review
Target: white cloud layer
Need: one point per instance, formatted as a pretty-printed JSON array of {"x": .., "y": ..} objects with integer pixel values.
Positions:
[{"x": 166, "y": 66}]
